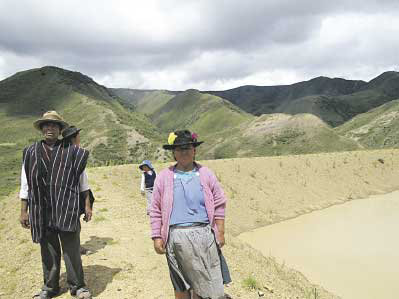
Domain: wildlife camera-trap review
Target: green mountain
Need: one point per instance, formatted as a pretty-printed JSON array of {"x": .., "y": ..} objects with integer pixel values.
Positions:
[
  {"x": 231, "y": 132},
  {"x": 333, "y": 100},
  {"x": 112, "y": 131},
  {"x": 269, "y": 99},
  {"x": 202, "y": 113},
  {"x": 377, "y": 128},
  {"x": 145, "y": 101}
]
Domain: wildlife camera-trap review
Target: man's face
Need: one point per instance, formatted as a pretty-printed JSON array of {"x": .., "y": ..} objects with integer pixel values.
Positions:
[{"x": 51, "y": 131}]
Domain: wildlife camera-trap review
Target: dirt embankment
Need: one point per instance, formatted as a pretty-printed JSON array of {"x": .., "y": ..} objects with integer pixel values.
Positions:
[{"x": 121, "y": 262}]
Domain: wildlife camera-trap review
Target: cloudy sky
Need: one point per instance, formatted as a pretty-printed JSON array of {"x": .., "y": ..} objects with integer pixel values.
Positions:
[{"x": 203, "y": 44}]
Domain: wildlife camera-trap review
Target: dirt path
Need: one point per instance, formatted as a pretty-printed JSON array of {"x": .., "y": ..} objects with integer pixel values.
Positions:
[{"x": 121, "y": 262}]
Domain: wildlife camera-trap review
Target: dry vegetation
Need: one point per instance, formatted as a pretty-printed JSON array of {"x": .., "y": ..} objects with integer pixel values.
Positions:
[{"x": 121, "y": 262}]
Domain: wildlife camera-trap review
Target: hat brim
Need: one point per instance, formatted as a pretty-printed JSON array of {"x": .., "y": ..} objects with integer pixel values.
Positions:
[
  {"x": 71, "y": 134},
  {"x": 142, "y": 165},
  {"x": 37, "y": 124},
  {"x": 173, "y": 146}
]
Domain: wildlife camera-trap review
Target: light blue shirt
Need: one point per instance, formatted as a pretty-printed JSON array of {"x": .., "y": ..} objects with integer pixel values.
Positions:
[{"x": 188, "y": 199}]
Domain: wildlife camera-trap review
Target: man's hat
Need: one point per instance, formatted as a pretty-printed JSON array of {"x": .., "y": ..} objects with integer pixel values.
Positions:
[
  {"x": 182, "y": 139},
  {"x": 71, "y": 131},
  {"x": 50, "y": 116}
]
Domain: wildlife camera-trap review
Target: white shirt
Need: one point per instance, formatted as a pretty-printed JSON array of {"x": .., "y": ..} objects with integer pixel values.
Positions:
[{"x": 23, "y": 192}]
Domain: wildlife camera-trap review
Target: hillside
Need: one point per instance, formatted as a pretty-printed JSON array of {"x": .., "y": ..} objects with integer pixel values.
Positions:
[
  {"x": 202, "y": 113},
  {"x": 112, "y": 131},
  {"x": 377, "y": 128},
  {"x": 278, "y": 134}
]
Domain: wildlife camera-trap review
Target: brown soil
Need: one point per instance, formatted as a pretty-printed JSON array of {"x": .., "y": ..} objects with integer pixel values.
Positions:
[{"x": 121, "y": 262}]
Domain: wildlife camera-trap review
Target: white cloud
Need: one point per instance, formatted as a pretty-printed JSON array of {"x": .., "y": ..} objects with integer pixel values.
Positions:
[{"x": 201, "y": 44}]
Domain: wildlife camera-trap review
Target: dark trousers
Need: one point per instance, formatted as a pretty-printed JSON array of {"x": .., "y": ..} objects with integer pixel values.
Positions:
[{"x": 51, "y": 260}]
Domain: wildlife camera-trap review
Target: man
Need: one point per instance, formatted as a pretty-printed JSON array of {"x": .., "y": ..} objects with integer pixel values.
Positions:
[{"x": 50, "y": 180}]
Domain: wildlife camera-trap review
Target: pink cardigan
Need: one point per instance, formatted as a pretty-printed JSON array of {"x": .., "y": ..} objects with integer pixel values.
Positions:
[{"x": 162, "y": 200}]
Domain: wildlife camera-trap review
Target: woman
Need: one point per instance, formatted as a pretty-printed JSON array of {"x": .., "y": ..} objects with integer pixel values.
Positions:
[
  {"x": 187, "y": 221},
  {"x": 86, "y": 197}
]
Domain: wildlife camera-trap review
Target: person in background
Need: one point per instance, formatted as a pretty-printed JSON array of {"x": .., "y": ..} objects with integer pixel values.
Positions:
[
  {"x": 71, "y": 136},
  {"x": 50, "y": 176},
  {"x": 147, "y": 181},
  {"x": 187, "y": 221}
]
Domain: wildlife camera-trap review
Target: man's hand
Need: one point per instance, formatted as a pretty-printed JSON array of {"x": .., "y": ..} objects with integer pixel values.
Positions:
[
  {"x": 88, "y": 213},
  {"x": 24, "y": 219},
  {"x": 159, "y": 246}
]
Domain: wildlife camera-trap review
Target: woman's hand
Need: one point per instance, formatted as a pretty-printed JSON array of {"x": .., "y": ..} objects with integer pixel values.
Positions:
[
  {"x": 159, "y": 246},
  {"x": 221, "y": 239},
  {"x": 220, "y": 226}
]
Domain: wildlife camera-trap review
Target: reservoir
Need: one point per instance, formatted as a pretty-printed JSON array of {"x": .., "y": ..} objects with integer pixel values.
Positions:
[{"x": 350, "y": 249}]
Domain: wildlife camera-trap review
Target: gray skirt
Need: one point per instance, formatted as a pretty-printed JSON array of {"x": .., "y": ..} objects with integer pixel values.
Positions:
[{"x": 194, "y": 262}]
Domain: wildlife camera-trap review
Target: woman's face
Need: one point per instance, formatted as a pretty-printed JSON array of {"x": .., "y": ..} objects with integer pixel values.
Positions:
[
  {"x": 184, "y": 156},
  {"x": 146, "y": 168},
  {"x": 76, "y": 140}
]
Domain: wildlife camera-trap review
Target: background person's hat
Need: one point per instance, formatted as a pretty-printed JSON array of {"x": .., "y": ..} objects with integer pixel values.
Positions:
[
  {"x": 50, "y": 116},
  {"x": 146, "y": 162},
  {"x": 70, "y": 132},
  {"x": 182, "y": 139}
]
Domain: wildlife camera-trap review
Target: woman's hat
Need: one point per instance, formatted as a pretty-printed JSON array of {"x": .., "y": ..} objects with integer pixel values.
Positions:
[
  {"x": 182, "y": 139},
  {"x": 52, "y": 117},
  {"x": 146, "y": 162},
  {"x": 71, "y": 131}
]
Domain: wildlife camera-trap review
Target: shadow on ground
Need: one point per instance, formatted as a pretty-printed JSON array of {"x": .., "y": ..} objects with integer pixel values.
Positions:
[
  {"x": 96, "y": 243},
  {"x": 97, "y": 277}
]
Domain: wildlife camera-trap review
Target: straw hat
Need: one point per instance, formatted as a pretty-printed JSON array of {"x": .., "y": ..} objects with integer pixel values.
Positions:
[{"x": 50, "y": 116}]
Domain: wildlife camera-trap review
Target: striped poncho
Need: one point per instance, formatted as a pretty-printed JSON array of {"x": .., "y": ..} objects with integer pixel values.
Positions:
[{"x": 53, "y": 180}]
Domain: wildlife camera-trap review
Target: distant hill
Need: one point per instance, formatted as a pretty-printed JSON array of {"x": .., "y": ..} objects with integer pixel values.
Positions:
[
  {"x": 232, "y": 132},
  {"x": 333, "y": 100},
  {"x": 145, "y": 101},
  {"x": 112, "y": 131},
  {"x": 377, "y": 128},
  {"x": 279, "y": 134},
  {"x": 271, "y": 99},
  {"x": 203, "y": 113}
]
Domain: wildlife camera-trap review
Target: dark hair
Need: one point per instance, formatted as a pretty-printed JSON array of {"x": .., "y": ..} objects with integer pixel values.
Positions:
[{"x": 69, "y": 138}]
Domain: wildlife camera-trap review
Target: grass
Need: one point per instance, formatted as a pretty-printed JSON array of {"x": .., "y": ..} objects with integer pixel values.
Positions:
[
  {"x": 103, "y": 210},
  {"x": 250, "y": 283},
  {"x": 99, "y": 218}
]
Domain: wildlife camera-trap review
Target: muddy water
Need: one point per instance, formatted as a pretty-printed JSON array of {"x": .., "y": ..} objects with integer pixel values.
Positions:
[{"x": 351, "y": 249}]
